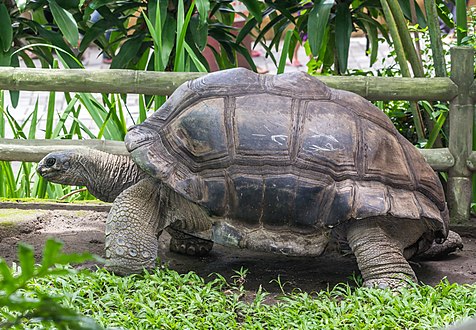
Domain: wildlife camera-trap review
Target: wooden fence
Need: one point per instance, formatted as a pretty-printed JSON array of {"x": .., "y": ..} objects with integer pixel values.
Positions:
[{"x": 458, "y": 160}]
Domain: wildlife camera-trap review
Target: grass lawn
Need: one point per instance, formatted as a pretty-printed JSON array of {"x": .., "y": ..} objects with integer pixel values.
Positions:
[{"x": 167, "y": 300}]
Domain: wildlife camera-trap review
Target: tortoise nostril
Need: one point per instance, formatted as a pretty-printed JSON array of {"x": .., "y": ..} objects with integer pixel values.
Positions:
[{"x": 50, "y": 162}]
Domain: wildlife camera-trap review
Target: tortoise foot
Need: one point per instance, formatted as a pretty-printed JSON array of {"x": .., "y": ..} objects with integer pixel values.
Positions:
[
  {"x": 120, "y": 268},
  {"x": 187, "y": 244},
  {"x": 393, "y": 284},
  {"x": 191, "y": 246},
  {"x": 439, "y": 251}
]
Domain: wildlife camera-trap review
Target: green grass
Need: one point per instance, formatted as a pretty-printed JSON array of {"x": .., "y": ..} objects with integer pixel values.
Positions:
[{"x": 167, "y": 300}]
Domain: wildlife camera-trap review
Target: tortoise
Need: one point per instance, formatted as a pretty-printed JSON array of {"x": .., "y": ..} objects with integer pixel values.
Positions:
[{"x": 271, "y": 163}]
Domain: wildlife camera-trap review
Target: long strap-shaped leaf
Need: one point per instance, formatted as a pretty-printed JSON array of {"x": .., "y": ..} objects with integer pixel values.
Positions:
[
  {"x": 6, "y": 30},
  {"x": 343, "y": 31},
  {"x": 317, "y": 24},
  {"x": 406, "y": 38},
  {"x": 435, "y": 38},
  {"x": 461, "y": 21},
  {"x": 66, "y": 23},
  {"x": 402, "y": 61}
]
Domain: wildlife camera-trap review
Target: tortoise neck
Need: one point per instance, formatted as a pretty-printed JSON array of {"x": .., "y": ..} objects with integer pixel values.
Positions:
[{"x": 107, "y": 175}]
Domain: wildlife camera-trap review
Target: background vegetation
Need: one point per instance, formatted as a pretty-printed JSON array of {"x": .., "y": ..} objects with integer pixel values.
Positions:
[{"x": 58, "y": 32}]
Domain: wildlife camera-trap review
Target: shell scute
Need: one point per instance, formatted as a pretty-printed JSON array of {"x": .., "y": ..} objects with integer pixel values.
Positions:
[
  {"x": 278, "y": 200},
  {"x": 263, "y": 124},
  {"x": 329, "y": 137},
  {"x": 200, "y": 131},
  {"x": 246, "y": 195}
]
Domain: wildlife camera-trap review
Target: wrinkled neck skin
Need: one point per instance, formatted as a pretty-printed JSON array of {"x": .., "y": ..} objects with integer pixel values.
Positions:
[{"x": 106, "y": 175}]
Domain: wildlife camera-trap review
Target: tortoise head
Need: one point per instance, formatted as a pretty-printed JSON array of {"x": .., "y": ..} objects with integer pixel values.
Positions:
[{"x": 61, "y": 167}]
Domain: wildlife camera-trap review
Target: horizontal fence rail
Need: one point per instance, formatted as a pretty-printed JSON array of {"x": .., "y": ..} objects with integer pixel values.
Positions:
[
  {"x": 458, "y": 160},
  {"x": 34, "y": 150},
  {"x": 164, "y": 83}
]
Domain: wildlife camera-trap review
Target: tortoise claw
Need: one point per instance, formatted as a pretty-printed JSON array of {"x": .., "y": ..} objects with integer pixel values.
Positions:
[{"x": 191, "y": 246}]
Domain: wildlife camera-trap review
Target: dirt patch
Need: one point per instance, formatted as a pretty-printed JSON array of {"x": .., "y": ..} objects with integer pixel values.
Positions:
[{"x": 84, "y": 231}]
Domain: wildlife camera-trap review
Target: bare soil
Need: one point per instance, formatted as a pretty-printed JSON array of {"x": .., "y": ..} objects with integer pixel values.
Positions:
[{"x": 83, "y": 230}]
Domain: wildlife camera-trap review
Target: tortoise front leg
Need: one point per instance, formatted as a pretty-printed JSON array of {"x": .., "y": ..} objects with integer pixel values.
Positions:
[
  {"x": 379, "y": 253},
  {"x": 132, "y": 228}
]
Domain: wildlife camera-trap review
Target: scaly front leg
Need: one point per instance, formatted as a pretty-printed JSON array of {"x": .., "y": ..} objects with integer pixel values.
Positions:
[{"x": 133, "y": 226}]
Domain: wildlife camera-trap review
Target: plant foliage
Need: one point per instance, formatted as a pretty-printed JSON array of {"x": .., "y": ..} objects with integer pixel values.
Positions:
[
  {"x": 164, "y": 299},
  {"x": 21, "y": 303},
  {"x": 180, "y": 28}
]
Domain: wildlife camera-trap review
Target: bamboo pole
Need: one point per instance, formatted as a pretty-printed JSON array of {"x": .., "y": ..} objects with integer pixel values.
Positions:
[
  {"x": 440, "y": 159},
  {"x": 164, "y": 83},
  {"x": 472, "y": 91},
  {"x": 402, "y": 62},
  {"x": 459, "y": 193},
  {"x": 397, "y": 40},
  {"x": 471, "y": 161},
  {"x": 395, "y": 88},
  {"x": 461, "y": 21},
  {"x": 93, "y": 81},
  {"x": 406, "y": 38},
  {"x": 34, "y": 150},
  {"x": 435, "y": 38}
]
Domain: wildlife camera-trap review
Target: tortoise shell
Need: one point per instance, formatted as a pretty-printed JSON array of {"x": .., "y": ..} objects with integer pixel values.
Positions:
[{"x": 285, "y": 150}]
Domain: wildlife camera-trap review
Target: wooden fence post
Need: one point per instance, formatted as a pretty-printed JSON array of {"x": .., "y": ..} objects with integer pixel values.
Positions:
[{"x": 461, "y": 135}]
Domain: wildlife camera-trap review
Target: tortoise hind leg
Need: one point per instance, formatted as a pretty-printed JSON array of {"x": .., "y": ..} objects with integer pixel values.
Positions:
[
  {"x": 184, "y": 243},
  {"x": 189, "y": 218},
  {"x": 441, "y": 250},
  {"x": 379, "y": 250}
]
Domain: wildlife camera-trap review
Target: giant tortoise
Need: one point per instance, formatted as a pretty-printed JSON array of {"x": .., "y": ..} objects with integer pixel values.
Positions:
[{"x": 269, "y": 163}]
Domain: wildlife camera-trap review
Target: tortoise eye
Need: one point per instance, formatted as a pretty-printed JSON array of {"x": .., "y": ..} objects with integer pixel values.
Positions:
[{"x": 50, "y": 162}]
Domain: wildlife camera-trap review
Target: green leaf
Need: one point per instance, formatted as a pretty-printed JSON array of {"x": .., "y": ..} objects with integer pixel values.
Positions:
[
  {"x": 6, "y": 274},
  {"x": 436, "y": 129},
  {"x": 6, "y": 30},
  {"x": 247, "y": 28},
  {"x": 14, "y": 95},
  {"x": 60, "y": 125},
  {"x": 50, "y": 252},
  {"x": 65, "y": 22},
  {"x": 5, "y": 57},
  {"x": 182, "y": 25},
  {"x": 406, "y": 9},
  {"x": 94, "y": 32},
  {"x": 57, "y": 40},
  {"x": 461, "y": 21},
  {"x": 95, "y": 4},
  {"x": 127, "y": 53},
  {"x": 199, "y": 32},
  {"x": 203, "y": 7},
  {"x": 254, "y": 8},
  {"x": 27, "y": 260},
  {"x": 373, "y": 41},
  {"x": 317, "y": 23},
  {"x": 195, "y": 59},
  {"x": 444, "y": 15},
  {"x": 33, "y": 122},
  {"x": 282, "y": 60},
  {"x": 343, "y": 30}
]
